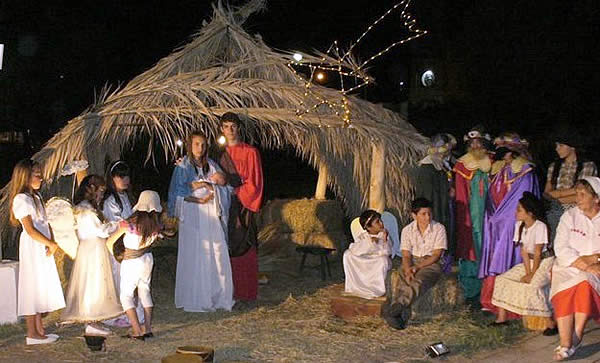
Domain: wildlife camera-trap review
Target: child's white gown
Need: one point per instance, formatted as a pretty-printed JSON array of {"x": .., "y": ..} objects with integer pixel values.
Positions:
[
  {"x": 39, "y": 288},
  {"x": 366, "y": 264},
  {"x": 91, "y": 295}
]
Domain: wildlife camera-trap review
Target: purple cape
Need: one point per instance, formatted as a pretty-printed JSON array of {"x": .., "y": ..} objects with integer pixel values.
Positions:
[{"x": 498, "y": 252}]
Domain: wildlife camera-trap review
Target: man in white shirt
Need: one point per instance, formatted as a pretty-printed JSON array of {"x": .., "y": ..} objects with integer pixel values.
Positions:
[{"x": 422, "y": 243}]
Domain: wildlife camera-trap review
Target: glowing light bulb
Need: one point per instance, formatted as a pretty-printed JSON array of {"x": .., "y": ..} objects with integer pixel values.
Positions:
[
  {"x": 221, "y": 140},
  {"x": 320, "y": 76},
  {"x": 179, "y": 142},
  {"x": 297, "y": 57}
]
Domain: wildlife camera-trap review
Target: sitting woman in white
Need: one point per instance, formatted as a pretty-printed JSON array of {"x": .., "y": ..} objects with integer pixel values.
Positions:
[
  {"x": 575, "y": 287},
  {"x": 524, "y": 288},
  {"x": 367, "y": 260}
]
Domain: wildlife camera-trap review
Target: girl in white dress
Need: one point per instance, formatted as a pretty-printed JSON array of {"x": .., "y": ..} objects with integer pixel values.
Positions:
[
  {"x": 140, "y": 231},
  {"x": 39, "y": 288},
  {"x": 91, "y": 295},
  {"x": 367, "y": 260},
  {"x": 199, "y": 198},
  {"x": 524, "y": 288},
  {"x": 117, "y": 207}
]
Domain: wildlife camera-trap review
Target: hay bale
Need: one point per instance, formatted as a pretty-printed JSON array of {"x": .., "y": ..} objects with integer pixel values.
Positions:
[
  {"x": 327, "y": 240},
  {"x": 287, "y": 223},
  {"x": 271, "y": 212},
  {"x": 282, "y": 243},
  {"x": 304, "y": 215},
  {"x": 273, "y": 231},
  {"x": 445, "y": 295}
]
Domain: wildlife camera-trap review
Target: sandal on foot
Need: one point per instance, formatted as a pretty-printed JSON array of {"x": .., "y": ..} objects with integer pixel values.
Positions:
[{"x": 562, "y": 353}]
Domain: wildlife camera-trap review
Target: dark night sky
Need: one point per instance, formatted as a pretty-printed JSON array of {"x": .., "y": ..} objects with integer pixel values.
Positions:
[{"x": 520, "y": 65}]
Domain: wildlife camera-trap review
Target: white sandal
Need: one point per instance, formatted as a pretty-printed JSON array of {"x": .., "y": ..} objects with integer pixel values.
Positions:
[{"x": 563, "y": 352}]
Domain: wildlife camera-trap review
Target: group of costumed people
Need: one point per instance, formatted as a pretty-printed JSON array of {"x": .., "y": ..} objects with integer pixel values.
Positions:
[
  {"x": 520, "y": 251},
  {"x": 217, "y": 262}
]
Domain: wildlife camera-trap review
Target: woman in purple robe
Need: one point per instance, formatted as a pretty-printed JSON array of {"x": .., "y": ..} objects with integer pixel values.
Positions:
[{"x": 511, "y": 175}]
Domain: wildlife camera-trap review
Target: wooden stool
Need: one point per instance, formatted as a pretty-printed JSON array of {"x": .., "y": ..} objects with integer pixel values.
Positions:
[
  {"x": 322, "y": 252},
  {"x": 348, "y": 306},
  {"x": 191, "y": 354}
]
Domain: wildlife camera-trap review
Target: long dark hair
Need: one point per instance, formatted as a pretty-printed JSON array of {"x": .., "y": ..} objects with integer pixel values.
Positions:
[
  {"x": 121, "y": 169},
  {"x": 86, "y": 191},
  {"x": 535, "y": 206},
  {"x": 188, "y": 150},
  {"x": 147, "y": 225}
]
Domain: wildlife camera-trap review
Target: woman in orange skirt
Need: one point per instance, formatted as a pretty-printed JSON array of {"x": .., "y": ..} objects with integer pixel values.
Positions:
[{"x": 575, "y": 289}]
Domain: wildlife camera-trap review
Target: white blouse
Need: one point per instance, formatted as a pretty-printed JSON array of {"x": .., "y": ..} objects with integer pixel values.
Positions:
[
  {"x": 537, "y": 234},
  {"x": 27, "y": 205},
  {"x": 576, "y": 235}
]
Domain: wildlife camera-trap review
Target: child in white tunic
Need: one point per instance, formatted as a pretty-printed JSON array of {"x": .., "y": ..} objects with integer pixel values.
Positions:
[
  {"x": 524, "y": 288},
  {"x": 367, "y": 260},
  {"x": 140, "y": 231},
  {"x": 116, "y": 208},
  {"x": 39, "y": 289},
  {"x": 91, "y": 295}
]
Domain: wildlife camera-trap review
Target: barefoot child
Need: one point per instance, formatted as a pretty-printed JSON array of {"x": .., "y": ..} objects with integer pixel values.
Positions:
[
  {"x": 140, "y": 231},
  {"x": 39, "y": 288}
]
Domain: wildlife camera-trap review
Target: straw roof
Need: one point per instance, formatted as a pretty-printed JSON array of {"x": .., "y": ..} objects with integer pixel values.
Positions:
[{"x": 223, "y": 69}]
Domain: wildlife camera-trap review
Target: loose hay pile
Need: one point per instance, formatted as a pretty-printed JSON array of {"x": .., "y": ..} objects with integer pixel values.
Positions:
[
  {"x": 291, "y": 322},
  {"x": 287, "y": 223}
]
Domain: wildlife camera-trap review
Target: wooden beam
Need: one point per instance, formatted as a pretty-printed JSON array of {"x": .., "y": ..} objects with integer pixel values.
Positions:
[
  {"x": 321, "y": 182},
  {"x": 377, "y": 183}
]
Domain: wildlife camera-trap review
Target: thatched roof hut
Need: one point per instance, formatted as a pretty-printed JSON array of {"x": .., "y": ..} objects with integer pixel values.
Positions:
[{"x": 222, "y": 69}]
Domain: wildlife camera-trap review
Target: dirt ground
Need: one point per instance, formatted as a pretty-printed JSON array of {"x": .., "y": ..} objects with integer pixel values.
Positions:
[{"x": 290, "y": 322}]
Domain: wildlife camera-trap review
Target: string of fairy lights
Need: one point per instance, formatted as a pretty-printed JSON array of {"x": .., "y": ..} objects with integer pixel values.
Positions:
[{"x": 342, "y": 64}]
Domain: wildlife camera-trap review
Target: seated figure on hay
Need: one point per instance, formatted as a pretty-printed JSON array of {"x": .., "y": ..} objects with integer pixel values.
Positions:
[
  {"x": 423, "y": 242},
  {"x": 367, "y": 260}
]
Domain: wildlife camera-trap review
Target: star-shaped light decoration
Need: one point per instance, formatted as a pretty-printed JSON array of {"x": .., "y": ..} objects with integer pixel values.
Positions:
[{"x": 346, "y": 66}]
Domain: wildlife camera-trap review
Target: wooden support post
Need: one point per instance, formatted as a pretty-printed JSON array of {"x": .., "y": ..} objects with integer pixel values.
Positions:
[
  {"x": 377, "y": 183},
  {"x": 321, "y": 182}
]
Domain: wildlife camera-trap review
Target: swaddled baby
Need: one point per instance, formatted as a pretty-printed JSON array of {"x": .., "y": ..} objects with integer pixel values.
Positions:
[
  {"x": 217, "y": 178},
  {"x": 202, "y": 192}
]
